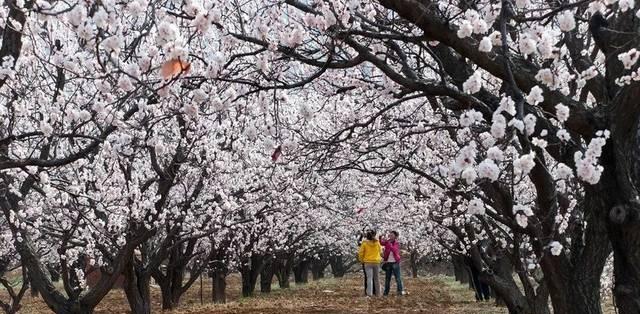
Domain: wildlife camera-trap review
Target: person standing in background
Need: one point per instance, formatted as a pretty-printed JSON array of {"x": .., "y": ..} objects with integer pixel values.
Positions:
[
  {"x": 370, "y": 255},
  {"x": 391, "y": 260}
]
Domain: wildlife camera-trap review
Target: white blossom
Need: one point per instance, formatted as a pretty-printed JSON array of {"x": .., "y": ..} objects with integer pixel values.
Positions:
[
  {"x": 563, "y": 135},
  {"x": 629, "y": 58},
  {"x": 476, "y": 207},
  {"x": 524, "y": 164},
  {"x": 488, "y": 169},
  {"x": 498, "y": 126},
  {"x": 555, "y": 248},
  {"x": 465, "y": 29},
  {"x": 495, "y": 153},
  {"x": 563, "y": 172},
  {"x": 469, "y": 175},
  {"x": 485, "y": 45},
  {"x": 566, "y": 21},
  {"x": 46, "y": 128},
  {"x": 535, "y": 96},
  {"x": 626, "y": 5},
  {"x": 562, "y": 112},
  {"x": 522, "y": 220},
  {"x": 527, "y": 46},
  {"x": 473, "y": 84}
]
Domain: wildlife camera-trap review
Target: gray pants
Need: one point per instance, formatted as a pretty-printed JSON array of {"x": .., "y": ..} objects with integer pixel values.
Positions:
[{"x": 373, "y": 278}]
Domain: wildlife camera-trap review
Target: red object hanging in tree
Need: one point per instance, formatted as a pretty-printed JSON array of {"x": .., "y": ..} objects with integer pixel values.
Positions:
[
  {"x": 276, "y": 153},
  {"x": 173, "y": 68}
]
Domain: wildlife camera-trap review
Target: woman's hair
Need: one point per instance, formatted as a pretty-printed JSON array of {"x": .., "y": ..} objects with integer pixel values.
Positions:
[
  {"x": 371, "y": 235},
  {"x": 395, "y": 233}
]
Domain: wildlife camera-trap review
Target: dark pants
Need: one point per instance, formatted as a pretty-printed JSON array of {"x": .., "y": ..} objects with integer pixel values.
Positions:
[
  {"x": 481, "y": 288},
  {"x": 394, "y": 270}
]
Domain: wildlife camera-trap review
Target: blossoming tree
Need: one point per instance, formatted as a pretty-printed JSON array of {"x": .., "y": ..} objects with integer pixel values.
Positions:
[{"x": 168, "y": 128}]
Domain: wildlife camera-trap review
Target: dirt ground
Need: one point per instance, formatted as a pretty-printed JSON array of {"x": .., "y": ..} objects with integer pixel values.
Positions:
[
  {"x": 433, "y": 295},
  {"x": 426, "y": 295}
]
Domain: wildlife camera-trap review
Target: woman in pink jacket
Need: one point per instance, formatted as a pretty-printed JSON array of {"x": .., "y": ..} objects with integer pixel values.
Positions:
[{"x": 391, "y": 260}]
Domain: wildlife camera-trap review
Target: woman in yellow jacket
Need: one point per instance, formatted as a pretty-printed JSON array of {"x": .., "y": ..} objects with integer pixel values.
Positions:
[{"x": 370, "y": 254}]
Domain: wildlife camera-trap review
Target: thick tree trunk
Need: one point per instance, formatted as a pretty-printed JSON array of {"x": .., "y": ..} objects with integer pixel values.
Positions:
[
  {"x": 173, "y": 282},
  {"x": 75, "y": 308},
  {"x": 460, "y": 269},
  {"x": 171, "y": 292},
  {"x": 338, "y": 267},
  {"x": 250, "y": 271},
  {"x": 283, "y": 272},
  {"x": 136, "y": 288},
  {"x": 247, "y": 284},
  {"x": 34, "y": 290},
  {"x": 573, "y": 278},
  {"x": 219, "y": 284},
  {"x": 622, "y": 155},
  {"x": 266, "y": 276},
  {"x": 317, "y": 269},
  {"x": 301, "y": 272},
  {"x": 503, "y": 284},
  {"x": 624, "y": 224}
]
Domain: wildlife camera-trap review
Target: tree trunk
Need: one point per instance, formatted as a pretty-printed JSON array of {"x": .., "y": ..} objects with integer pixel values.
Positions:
[
  {"x": 622, "y": 155},
  {"x": 171, "y": 283},
  {"x": 338, "y": 267},
  {"x": 250, "y": 271},
  {"x": 503, "y": 284},
  {"x": 13, "y": 306},
  {"x": 136, "y": 288},
  {"x": 266, "y": 276},
  {"x": 460, "y": 269},
  {"x": 55, "y": 274},
  {"x": 413, "y": 260},
  {"x": 317, "y": 269},
  {"x": 573, "y": 278},
  {"x": 283, "y": 272},
  {"x": 301, "y": 272},
  {"x": 219, "y": 284},
  {"x": 34, "y": 290},
  {"x": 171, "y": 292},
  {"x": 624, "y": 235}
]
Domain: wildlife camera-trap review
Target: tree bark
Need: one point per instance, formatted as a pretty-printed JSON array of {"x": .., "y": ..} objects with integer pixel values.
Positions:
[
  {"x": 172, "y": 281},
  {"x": 317, "y": 269},
  {"x": 136, "y": 288},
  {"x": 624, "y": 214},
  {"x": 338, "y": 267},
  {"x": 502, "y": 284},
  {"x": 413, "y": 261},
  {"x": 460, "y": 269},
  {"x": 283, "y": 271},
  {"x": 301, "y": 272},
  {"x": 219, "y": 285},
  {"x": 621, "y": 155},
  {"x": 266, "y": 276},
  {"x": 250, "y": 270},
  {"x": 171, "y": 290}
]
